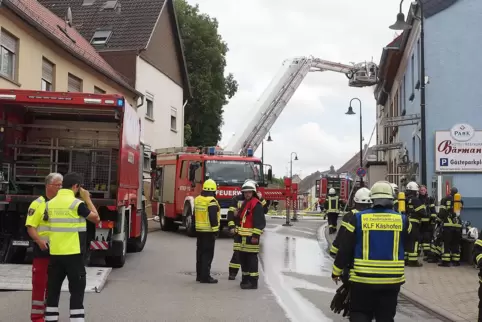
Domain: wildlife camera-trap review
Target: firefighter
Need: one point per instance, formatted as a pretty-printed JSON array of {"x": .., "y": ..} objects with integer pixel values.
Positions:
[
  {"x": 251, "y": 224},
  {"x": 477, "y": 255},
  {"x": 233, "y": 224},
  {"x": 207, "y": 215},
  {"x": 332, "y": 210},
  {"x": 428, "y": 221},
  {"x": 37, "y": 229},
  {"x": 373, "y": 243},
  {"x": 415, "y": 212},
  {"x": 395, "y": 196},
  {"x": 451, "y": 231},
  {"x": 362, "y": 202},
  {"x": 67, "y": 217}
]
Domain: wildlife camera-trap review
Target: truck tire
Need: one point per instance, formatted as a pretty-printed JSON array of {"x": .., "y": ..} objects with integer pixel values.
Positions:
[
  {"x": 118, "y": 260},
  {"x": 167, "y": 224},
  {"x": 137, "y": 244},
  {"x": 189, "y": 221}
]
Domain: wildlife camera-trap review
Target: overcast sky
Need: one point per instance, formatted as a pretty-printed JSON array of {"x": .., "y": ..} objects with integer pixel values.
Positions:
[{"x": 261, "y": 34}]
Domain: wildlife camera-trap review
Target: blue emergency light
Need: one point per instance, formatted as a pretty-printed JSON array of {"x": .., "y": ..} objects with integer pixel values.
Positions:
[
  {"x": 120, "y": 102},
  {"x": 211, "y": 150},
  {"x": 249, "y": 152}
]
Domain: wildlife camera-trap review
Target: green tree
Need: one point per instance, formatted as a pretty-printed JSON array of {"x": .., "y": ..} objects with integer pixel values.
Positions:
[
  {"x": 205, "y": 53},
  {"x": 187, "y": 134}
]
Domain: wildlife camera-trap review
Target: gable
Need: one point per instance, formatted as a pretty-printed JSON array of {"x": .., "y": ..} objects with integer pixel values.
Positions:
[
  {"x": 432, "y": 7},
  {"x": 162, "y": 50}
]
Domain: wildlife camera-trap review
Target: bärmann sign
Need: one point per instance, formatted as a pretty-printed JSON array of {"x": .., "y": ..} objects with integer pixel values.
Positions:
[{"x": 458, "y": 150}]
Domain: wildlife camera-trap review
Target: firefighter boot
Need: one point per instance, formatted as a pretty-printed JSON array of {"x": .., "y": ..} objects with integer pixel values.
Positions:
[
  {"x": 252, "y": 284},
  {"x": 244, "y": 280},
  {"x": 210, "y": 280}
]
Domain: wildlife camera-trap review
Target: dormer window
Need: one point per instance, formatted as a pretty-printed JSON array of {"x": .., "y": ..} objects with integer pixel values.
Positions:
[{"x": 100, "y": 37}]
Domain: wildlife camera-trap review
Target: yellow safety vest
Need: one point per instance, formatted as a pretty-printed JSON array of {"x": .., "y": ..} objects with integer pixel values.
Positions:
[
  {"x": 65, "y": 223},
  {"x": 201, "y": 213},
  {"x": 330, "y": 208},
  {"x": 35, "y": 216}
]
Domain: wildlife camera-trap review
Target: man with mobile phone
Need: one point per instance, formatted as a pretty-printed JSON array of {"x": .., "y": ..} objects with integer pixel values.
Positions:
[
  {"x": 38, "y": 230},
  {"x": 67, "y": 217}
]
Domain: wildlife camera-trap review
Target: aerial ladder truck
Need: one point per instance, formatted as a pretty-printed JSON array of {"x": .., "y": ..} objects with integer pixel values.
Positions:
[{"x": 278, "y": 94}]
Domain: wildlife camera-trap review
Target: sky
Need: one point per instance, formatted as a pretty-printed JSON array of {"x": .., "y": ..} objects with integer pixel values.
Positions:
[{"x": 262, "y": 34}]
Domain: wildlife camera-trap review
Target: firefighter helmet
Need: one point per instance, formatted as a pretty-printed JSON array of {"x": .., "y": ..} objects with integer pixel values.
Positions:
[
  {"x": 331, "y": 191},
  {"x": 210, "y": 185},
  {"x": 363, "y": 196},
  {"x": 381, "y": 190},
  {"x": 249, "y": 186},
  {"x": 412, "y": 186},
  {"x": 251, "y": 180},
  {"x": 394, "y": 187},
  {"x": 453, "y": 191}
]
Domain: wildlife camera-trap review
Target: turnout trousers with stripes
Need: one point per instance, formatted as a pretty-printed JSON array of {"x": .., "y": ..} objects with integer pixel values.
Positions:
[
  {"x": 39, "y": 288},
  {"x": 72, "y": 267},
  {"x": 248, "y": 257},
  {"x": 235, "y": 264}
]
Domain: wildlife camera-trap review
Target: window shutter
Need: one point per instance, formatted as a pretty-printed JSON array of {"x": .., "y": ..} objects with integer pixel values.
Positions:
[
  {"x": 48, "y": 71},
  {"x": 75, "y": 84},
  {"x": 9, "y": 42}
]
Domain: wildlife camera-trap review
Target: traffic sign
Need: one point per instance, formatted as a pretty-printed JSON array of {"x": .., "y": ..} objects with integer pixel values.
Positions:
[{"x": 361, "y": 172}]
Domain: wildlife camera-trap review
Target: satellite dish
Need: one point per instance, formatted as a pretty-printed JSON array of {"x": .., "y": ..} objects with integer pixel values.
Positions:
[{"x": 68, "y": 19}]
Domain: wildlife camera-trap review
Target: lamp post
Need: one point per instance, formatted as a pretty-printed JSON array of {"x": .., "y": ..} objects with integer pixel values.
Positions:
[
  {"x": 262, "y": 155},
  {"x": 401, "y": 24},
  {"x": 291, "y": 177},
  {"x": 350, "y": 112}
]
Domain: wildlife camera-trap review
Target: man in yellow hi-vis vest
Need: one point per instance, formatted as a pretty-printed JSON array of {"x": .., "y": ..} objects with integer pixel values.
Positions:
[
  {"x": 38, "y": 230},
  {"x": 67, "y": 239},
  {"x": 207, "y": 214}
]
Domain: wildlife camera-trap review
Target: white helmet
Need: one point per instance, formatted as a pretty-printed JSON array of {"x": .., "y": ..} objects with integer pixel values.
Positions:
[
  {"x": 473, "y": 233},
  {"x": 394, "y": 187},
  {"x": 381, "y": 190},
  {"x": 249, "y": 186},
  {"x": 363, "y": 196},
  {"x": 412, "y": 186},
  {"x": 331, "y": 191},
  {"x": 251, "y": 180}
]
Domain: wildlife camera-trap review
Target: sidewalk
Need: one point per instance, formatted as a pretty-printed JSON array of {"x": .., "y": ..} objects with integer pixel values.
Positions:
[{"x": 451, "y": 292}]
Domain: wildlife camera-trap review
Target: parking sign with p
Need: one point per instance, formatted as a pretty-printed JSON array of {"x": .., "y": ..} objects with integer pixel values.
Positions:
[{"x": 444, "y": 162}]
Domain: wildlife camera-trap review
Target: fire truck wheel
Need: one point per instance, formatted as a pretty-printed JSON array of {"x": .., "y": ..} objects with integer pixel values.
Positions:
[
  {"x": 167, "y": 224},
  {"x": 189, "y": 221},
  {"x": 137, "y": 244},
  {"x": 120, "y": 250}
]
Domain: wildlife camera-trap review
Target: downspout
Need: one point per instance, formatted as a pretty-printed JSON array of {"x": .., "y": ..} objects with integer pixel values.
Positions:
[{"x": 183, "y": 121}]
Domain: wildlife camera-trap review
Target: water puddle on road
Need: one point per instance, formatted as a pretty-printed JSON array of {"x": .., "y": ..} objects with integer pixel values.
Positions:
[{"x": 295, "y": 264}]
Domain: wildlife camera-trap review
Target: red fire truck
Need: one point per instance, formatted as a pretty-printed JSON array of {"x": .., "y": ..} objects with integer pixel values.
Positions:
[
  {"x": 95, "y": 135},
  {"x": 179, "y": 176},
  {"x": 342, "y": 184}
]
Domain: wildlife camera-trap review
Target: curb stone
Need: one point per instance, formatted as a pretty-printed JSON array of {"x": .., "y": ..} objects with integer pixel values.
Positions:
[{"x": 412, "y": 297}]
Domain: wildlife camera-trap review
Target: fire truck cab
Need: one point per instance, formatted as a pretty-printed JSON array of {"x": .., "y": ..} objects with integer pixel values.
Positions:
[{"x": 179, "y": 174}]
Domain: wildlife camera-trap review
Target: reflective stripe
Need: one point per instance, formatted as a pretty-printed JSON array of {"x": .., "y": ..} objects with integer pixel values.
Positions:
[
  {"x": 77, "y": 320},
  {"x": 68, "y": 230},
  {"x": 348, "y": 226},
  {"x": 336, "y": 271},
  {"x": 77, "y": 311},
  {"x": 37, "y": 311},
  {"x": 51, "y": 309},
  {"x": 51, "y": 318},
  {"x": 41, "y": 228},
  {"x": 67, "y": 220},
  {"x": 478, "y": 242},
  {"x": 231, "y": 265},
  {"x": 378, "y": 280},
  {"x": 41, "y": 303}
]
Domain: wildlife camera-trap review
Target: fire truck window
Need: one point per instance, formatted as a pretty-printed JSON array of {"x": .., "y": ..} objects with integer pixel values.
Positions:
[
  {"x": 232, "y": 173},
  {"x": 184, "y": 170},
  {"x": 198, "y": 175}
]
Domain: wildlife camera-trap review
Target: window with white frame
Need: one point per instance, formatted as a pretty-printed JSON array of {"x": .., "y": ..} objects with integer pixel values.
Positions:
[
  {"x": 47, "y": 75},
  {"x": 150, "y": 107},
  {"x": 74, "y": 84},
  {"x": 173, "y": 119},
  {"x": 8, "y": 54}
]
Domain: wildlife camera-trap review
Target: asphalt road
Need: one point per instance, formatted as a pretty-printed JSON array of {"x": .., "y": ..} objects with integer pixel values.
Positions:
[{"x": 159, "y": 284}]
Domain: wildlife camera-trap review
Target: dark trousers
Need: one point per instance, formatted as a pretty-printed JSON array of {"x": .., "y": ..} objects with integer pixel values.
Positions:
[
  {"x": 204, "y": 255},
  {"x": 249, "y": 267},
  {"x": 452, "y": 237},
  {"x": 412, "y": 243},
  {"x": 426, "y": 231},
  {"x": 369, "y": 302},
  {"x": 480, "y": 302},
  {"x": 72, "y": 267},
  {"x": 234, "y": 264},
  {"x": 332, "y": 222}
]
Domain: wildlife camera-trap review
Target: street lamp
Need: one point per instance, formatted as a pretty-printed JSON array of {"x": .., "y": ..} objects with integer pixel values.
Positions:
[
  {"x": 401, "y": 24},
  {"x": 262, "y": 155},
  {"x": 350, "y": 112},
  {"x": 291, "y": 163}
]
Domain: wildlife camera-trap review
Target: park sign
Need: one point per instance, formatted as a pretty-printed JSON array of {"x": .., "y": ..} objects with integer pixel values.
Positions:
[{"x": 458, "y": 150}]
